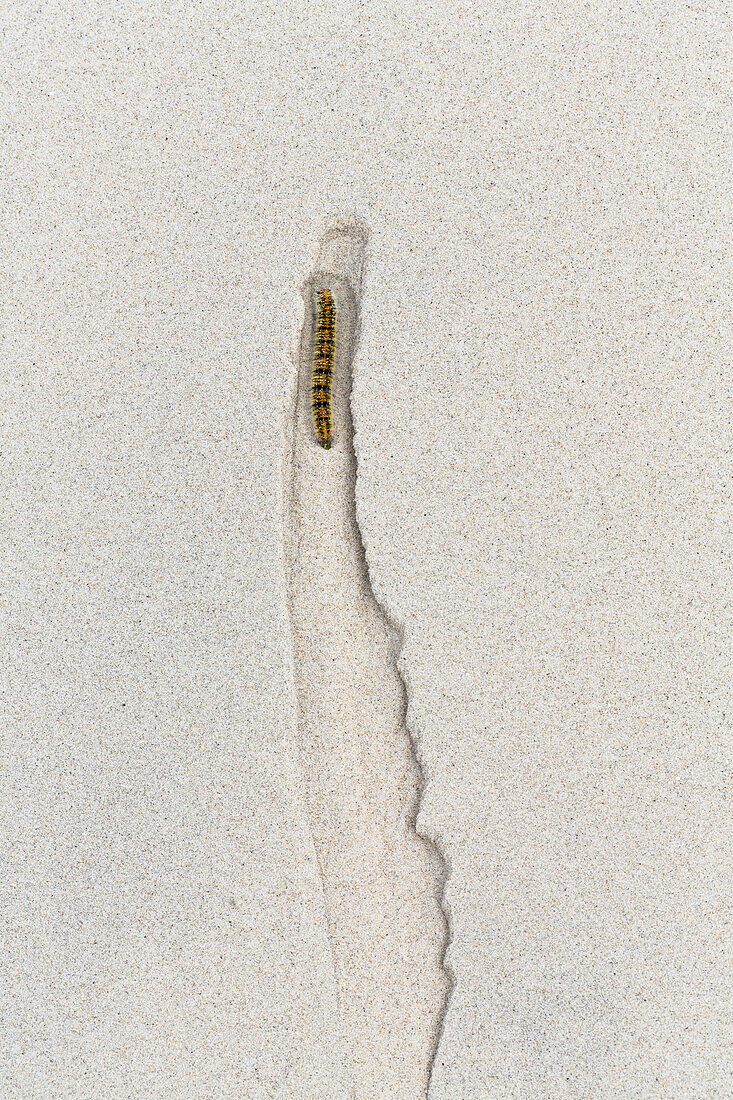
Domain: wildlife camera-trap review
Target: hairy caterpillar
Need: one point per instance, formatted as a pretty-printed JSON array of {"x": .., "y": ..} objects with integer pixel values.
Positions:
[{"x": 324, "y": 348}]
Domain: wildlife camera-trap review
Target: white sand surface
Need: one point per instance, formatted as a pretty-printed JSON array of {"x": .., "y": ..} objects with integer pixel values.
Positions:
[
  {"x": 541, "y": 429},
  {"x": 163, "y": 932}
]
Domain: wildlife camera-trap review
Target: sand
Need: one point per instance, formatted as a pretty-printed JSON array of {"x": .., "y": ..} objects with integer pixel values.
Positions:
[
  {"x": 541, "y": 434},
  {"x": 360, "y": 780}
]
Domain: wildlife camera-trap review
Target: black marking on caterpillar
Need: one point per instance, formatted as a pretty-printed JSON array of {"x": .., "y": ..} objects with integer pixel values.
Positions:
[{"x": 324, "y": 348}]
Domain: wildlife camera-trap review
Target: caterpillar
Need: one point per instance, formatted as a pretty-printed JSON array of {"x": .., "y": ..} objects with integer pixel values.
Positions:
[{"x": 324, "y": 348}]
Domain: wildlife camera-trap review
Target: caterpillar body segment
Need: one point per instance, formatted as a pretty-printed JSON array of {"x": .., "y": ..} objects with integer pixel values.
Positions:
[{"x": 324, "y": 350}]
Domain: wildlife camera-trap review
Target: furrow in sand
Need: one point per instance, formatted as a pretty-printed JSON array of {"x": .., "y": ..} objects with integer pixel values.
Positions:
[{"x": 360, "y": 779}]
